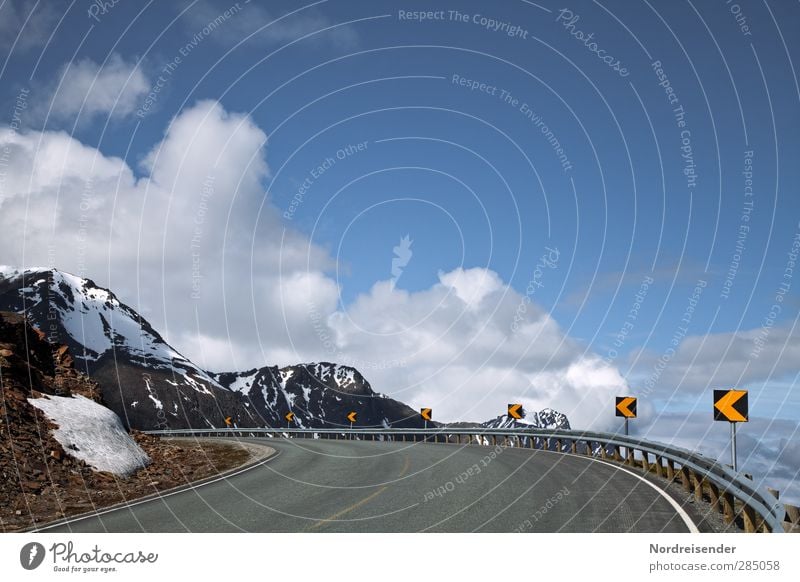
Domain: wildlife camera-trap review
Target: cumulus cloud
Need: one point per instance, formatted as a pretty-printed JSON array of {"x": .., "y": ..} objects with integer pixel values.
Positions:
[{"x": 84, "y": 90}]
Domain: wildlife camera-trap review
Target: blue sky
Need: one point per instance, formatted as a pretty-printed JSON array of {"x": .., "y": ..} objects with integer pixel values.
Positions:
[{"x": 467, "y": 173}]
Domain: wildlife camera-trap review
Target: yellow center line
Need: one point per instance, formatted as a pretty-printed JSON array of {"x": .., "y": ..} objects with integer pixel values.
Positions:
[{"x": 358, "y": 504}]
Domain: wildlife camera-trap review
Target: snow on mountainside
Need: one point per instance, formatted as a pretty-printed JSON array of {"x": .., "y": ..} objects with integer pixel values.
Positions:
[
  {"x": 92, "y": 433},
  {"x": 150, "y": 385}
]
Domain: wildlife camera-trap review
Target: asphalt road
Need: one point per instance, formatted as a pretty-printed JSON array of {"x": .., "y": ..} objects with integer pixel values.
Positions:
[{"x": 352, "y": 486}]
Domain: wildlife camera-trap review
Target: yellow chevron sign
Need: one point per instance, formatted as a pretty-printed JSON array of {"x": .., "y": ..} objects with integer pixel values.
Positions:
[
  {"x": 626, "y": 406},
  {"x": 289, "y": 416},
  {"x": 515, "y": 411},
  {"x": 352, "y": 416},
  {"x": 228, "y": 421},
  {"x": 426, "y": 413},
  {"x": 730, "y": 405}
]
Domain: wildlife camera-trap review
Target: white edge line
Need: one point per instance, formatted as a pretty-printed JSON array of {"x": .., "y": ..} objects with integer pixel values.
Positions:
[{"x": 678, "y": 509}]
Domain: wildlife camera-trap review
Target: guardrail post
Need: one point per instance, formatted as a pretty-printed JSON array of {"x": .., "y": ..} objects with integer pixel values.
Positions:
[
  {"x": 728, "y": 512},
  {"x": 645, "y": 462},
  {"x": 713, "y": 493},
  {"x": 603, "y": 452},
  {"x": 697, "y": 483},
  {"x": 558, "y": 445},
  {"x": 749, "y": 516},
  {"x": 659, "y": 466},
  {"x": 589, "y": 448},
  {"x": 793, "y": 515},
  {"x": 574, "y": 447},
  {"x": 670, "y": 469},
  {"x": 617, "y": 454},
  {"x": 629, "y": 456},
  {"x": 687, "y": 485}
]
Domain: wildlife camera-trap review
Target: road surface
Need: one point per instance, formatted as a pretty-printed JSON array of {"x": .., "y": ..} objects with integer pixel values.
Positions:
[{"x": 354, "y": 486}]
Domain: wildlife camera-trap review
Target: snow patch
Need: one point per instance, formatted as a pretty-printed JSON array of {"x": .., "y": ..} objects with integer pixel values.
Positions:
[{"x": 92, "y": 433}]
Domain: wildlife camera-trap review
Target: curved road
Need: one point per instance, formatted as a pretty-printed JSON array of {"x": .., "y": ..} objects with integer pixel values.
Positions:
[{"x": 354, "y": 486}]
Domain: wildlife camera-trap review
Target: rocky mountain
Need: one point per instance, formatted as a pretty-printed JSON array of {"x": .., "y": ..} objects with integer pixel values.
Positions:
[{"x": 150, "y": 385}]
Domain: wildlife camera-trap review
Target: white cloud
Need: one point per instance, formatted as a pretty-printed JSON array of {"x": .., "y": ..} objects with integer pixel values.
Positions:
[{"x": 84, "y": 90}]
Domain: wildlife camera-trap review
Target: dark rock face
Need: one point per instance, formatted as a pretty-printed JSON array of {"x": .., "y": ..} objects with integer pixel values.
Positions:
[{"x": 151, "y": 386}]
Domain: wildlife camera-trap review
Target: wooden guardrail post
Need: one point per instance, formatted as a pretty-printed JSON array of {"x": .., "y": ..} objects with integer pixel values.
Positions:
[
  {"x": 645, "y": 462},
  {"x": 670, "y": 469},
  {"x": 697, "y": 484},
  {"x": 713, "y": 492},
  {"x": 617, "y": 455},
  {"x": 749, "y": 517},
  {"x": 791, "y": 521},
  {"x": 603, "y": 451},
  {"x": 685, "y": 482},
  {"x": 728, "y": 509},
  {"x": 574, "y": 447},
  {"x": 659, "y": 466}
]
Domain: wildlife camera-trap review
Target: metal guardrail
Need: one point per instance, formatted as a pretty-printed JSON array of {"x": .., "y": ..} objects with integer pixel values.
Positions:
[{"x": 730, "y": 493}]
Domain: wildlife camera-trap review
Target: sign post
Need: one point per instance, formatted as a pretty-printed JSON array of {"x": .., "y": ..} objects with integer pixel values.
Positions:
[{"x": 731, "y": 406}]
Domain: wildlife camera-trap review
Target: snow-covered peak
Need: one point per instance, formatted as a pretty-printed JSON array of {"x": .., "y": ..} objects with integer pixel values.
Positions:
[
  {"x": 89, "y": 318},
  {"x": 90, "y": 315}
]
